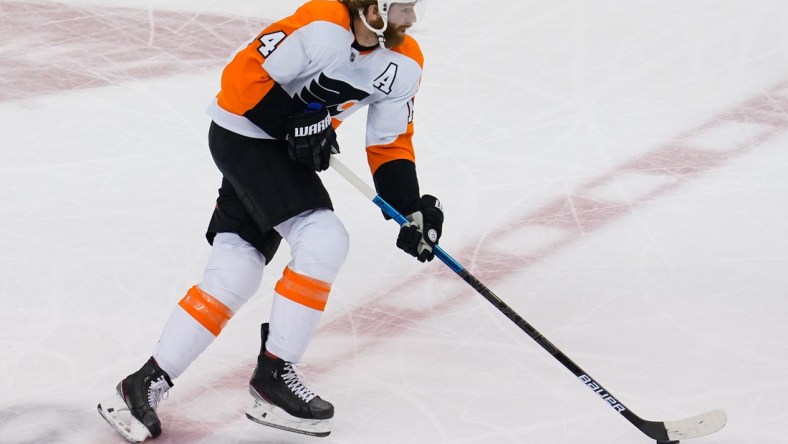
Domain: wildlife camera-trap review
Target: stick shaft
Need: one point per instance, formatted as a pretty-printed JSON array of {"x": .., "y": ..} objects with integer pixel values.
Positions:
[{"x": 507, "y": 311}]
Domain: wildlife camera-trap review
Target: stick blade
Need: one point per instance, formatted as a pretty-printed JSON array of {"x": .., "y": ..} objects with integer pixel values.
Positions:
[{"x": 696, "y": 426}]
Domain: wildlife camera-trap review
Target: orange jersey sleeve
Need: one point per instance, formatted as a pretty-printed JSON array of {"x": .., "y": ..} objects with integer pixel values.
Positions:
[
  {"x": 276, "y": 55},
  {"x": 400, "y": 148}
]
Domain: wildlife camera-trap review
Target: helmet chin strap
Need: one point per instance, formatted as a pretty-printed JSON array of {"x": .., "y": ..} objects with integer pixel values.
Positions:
[{"x": 378, "y": 32}]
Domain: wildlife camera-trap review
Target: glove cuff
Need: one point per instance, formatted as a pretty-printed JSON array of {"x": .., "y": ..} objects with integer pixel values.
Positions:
[{"x": 429, "y": 201}]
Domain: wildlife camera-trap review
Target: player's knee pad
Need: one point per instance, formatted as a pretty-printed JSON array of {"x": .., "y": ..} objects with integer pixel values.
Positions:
[
  {"x": 233, "y": 272},
  {"x": 318, "y": 243}
]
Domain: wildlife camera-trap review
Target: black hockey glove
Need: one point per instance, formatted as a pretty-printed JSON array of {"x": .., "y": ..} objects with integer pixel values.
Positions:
[
  {"x": 423, "y": 231},
  {"x": 311, "y": 138}
]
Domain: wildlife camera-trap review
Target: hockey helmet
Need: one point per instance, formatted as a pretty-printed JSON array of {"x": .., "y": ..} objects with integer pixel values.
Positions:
[{"x": 398, "y": 10}]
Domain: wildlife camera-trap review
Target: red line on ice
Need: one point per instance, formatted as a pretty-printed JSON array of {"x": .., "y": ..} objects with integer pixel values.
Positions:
[
  {"x": 56, "y": 47},
  {"x": 52, "y": 47}
]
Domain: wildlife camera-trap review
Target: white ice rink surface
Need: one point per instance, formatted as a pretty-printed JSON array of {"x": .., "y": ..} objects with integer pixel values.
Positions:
[{"x": 615, "y": 171}]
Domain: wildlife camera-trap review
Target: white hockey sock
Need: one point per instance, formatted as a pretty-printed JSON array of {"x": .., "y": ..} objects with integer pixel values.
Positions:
[
  {"x": 181, "y": 342},
  {"x": 319, "y": 245},
  {"x": 299, "y": 302},
  {"x": 231, "y": 277}
]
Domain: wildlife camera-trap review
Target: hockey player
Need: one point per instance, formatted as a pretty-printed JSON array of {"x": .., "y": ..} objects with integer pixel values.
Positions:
[{"x": 282, "y": 95}]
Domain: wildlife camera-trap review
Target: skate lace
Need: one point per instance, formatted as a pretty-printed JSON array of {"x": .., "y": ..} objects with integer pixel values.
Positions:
[
  {"x": 292, "y": 378},
  {"x": 157, "y": 392}
]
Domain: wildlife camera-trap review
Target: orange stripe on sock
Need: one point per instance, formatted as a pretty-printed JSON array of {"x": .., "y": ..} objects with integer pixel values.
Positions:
[
  {"x": 205, "y": 309},
  {"x": 307, "y": 291}
]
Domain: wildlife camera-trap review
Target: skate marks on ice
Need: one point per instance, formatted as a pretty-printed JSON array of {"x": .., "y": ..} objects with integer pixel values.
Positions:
[
  {"x": 55, "y": 423},
  {"x": 531, "y": 237},
  {"x": 54, "y": 47},
  {"x": 126, "y": 45},
  {"x": 614, "y": 195},
  {"x": 72, "y": 47},
  {"x": 41, "y": 423}
]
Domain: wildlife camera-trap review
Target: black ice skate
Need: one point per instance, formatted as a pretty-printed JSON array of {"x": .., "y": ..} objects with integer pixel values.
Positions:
[
  {"x": 282, "y": 401},
  {"x": 132, "y": 411}
]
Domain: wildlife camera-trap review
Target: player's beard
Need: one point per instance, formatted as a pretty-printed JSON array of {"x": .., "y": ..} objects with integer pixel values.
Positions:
[{"x": 393, "y": 36}]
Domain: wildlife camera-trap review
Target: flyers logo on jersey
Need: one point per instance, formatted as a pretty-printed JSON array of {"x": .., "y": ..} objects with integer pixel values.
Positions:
[{"x": 335, "y": 94}]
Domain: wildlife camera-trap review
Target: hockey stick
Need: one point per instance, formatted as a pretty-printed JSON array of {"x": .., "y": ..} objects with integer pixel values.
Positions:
[{"x": 662, "y": 431}]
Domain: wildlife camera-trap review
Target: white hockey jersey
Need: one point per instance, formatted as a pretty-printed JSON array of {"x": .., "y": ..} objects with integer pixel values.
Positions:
[{"x": 309, "y": 57}]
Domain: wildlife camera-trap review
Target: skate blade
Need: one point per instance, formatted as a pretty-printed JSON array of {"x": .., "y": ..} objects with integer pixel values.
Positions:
[
  {"x": 116, "y": 413},
  {"x": 270, "y": 415}
]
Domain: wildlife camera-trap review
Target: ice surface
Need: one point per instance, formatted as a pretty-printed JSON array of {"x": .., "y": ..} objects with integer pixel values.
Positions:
[{"x": 614, "y": 171}]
